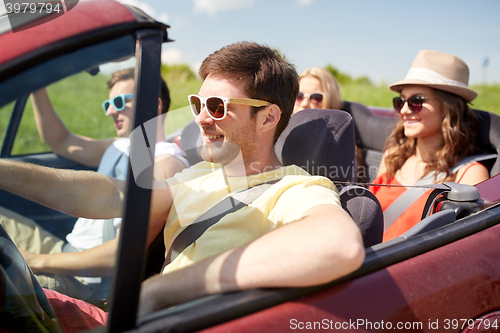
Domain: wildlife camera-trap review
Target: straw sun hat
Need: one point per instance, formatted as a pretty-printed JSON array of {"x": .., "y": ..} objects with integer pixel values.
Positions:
[{"x": 440, "y": 71}]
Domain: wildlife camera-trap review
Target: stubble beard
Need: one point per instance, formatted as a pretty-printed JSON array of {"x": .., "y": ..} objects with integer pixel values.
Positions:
[{"x": 224, "y": 152}]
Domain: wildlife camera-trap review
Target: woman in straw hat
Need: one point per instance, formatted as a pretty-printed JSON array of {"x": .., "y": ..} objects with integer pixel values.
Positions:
[{"x": 436, "y": 131}]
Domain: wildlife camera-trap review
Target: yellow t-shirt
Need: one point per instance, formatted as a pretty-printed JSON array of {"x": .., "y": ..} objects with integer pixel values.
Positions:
[{"x": 200, "y": 187}]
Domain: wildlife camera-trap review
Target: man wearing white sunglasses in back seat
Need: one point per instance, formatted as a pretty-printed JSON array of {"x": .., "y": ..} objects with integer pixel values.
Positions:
[{"x": 293, "y": 234}]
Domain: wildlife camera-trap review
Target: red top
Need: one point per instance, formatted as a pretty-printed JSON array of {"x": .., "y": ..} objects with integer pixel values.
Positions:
[{"x": 386, "y": 196}]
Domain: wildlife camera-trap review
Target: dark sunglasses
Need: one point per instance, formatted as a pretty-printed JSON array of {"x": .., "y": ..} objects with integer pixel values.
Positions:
[
  {"x": 315, "y": 97},
  {"x": 414, "y": 103},
  {"x": 117, "y": 101},
  {"x": 217, "y": 106}
]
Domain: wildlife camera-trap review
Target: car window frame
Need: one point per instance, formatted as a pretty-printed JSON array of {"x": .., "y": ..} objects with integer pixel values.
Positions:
[
  {"x": 146, "y": 39},
  {"x": 129, "y": 269},
  {"x": 12, "y": 128}
]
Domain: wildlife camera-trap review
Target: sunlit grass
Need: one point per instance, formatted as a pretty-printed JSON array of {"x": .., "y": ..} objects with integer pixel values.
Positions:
[{"x": 488, "y": 98}]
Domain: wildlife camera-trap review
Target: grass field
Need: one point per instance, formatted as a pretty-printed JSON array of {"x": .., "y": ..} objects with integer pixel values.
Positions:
[{"x": 78, "y": 99}]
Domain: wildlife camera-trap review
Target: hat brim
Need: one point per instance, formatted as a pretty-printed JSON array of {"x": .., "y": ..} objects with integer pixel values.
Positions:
[{"x": 468, "y": 94}]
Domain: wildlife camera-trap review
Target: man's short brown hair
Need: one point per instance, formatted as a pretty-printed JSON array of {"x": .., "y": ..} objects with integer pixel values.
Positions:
[
  {"x": 266, "y": 75},
  {"x": 129, "y": 73}
]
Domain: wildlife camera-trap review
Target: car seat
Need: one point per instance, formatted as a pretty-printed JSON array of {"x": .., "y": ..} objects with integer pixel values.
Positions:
[
  {"x": 371, "y": 131},
  {"x": 322, "y": 142},
  {"x": 191, "y": 143},
  {"x": 489, "y": 138}
]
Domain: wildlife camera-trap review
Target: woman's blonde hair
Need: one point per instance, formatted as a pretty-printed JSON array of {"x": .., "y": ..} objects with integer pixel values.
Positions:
[
  {"x": 459, "y": 129},
  {"x": 331, "y": 89}
]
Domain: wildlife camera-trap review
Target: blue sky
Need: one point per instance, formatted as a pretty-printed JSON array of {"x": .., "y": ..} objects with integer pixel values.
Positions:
[{"x": 375, "y": 38}]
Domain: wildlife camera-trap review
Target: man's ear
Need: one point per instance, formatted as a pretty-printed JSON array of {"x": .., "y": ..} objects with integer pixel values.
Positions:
[
  {"x": 160, "y": 106},
  {"x": 269, "y": 117}
]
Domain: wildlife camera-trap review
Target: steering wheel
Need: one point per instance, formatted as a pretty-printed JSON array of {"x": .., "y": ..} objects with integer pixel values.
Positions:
[{"x": 23, "y": 304}]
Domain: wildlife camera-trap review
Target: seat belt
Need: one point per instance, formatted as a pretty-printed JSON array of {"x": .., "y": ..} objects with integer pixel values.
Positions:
[
  {"x": 228, "y": 205},
  {"x": 405, "y": 200},
  {"x": 472, "y": 158}
]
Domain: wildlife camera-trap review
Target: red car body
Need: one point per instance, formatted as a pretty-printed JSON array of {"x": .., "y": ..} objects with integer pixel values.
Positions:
[
  {"x": 82, "y": 18},
  {"x": 442, "y": 290}
]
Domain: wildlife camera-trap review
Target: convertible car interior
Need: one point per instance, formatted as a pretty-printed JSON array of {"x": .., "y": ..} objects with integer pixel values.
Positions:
[{"x": 445, "y": 268}]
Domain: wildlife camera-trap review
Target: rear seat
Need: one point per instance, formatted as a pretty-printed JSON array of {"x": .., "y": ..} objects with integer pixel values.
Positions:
[{"x": 371, "y": 132}]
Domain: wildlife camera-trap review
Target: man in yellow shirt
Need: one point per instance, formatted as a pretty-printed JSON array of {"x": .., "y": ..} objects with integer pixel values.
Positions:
[{"x": 295, "y": 234}]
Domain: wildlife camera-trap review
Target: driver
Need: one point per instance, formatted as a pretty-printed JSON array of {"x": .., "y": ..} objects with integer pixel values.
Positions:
[{"x": 65, "y": 266}]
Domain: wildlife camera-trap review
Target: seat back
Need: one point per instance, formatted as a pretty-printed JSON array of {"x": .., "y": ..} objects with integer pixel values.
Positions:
[
  {"x": 489, "y": 138},
  {"x": 371, "y": 132},
  {"x": 366, "y": 211},
  {"x": 191, "y": 143},
  {"x": 323, "y": 143}
]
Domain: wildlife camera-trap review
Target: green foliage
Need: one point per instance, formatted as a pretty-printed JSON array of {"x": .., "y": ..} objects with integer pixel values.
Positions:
[
  {"x": 345, "y": 79},
  {"x": 177, "y": 73},
  {"x": 363, "y": 80},
  {"x": 488, "y": 98},
  {"x": 369, "y": 95},
  {"x": 77, "y": 101},
  {"x": 179, "y": 114}
]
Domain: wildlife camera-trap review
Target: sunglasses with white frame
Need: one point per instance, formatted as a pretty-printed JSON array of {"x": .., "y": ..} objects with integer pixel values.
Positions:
[{"x": 217, "y": 105}]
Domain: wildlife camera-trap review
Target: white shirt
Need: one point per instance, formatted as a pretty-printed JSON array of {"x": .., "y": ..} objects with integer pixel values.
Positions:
[{"x": 89, "y": 233}]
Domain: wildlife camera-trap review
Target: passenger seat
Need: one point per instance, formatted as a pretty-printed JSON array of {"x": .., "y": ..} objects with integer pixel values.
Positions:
[{"x": 323, "y": 143}]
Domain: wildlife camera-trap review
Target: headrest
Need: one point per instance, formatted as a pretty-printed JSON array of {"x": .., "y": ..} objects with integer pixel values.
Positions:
[
  {"x": 191, "y": 143},
  {"x": 321, "y": 142},
  {"x": 371, "y": 129},
  {"x": 489, "y": 136}
]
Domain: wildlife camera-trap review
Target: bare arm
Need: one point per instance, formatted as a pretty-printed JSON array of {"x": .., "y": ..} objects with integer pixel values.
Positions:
[
  {"x": 167, "y": 166},
  {"x": 324, "y": 245},
  {"x": 56, "y": 135},
  {"x": 473, "y": 174},
  {"x": 97, "y": 261},
  {"x": 78, "y": 193}
]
